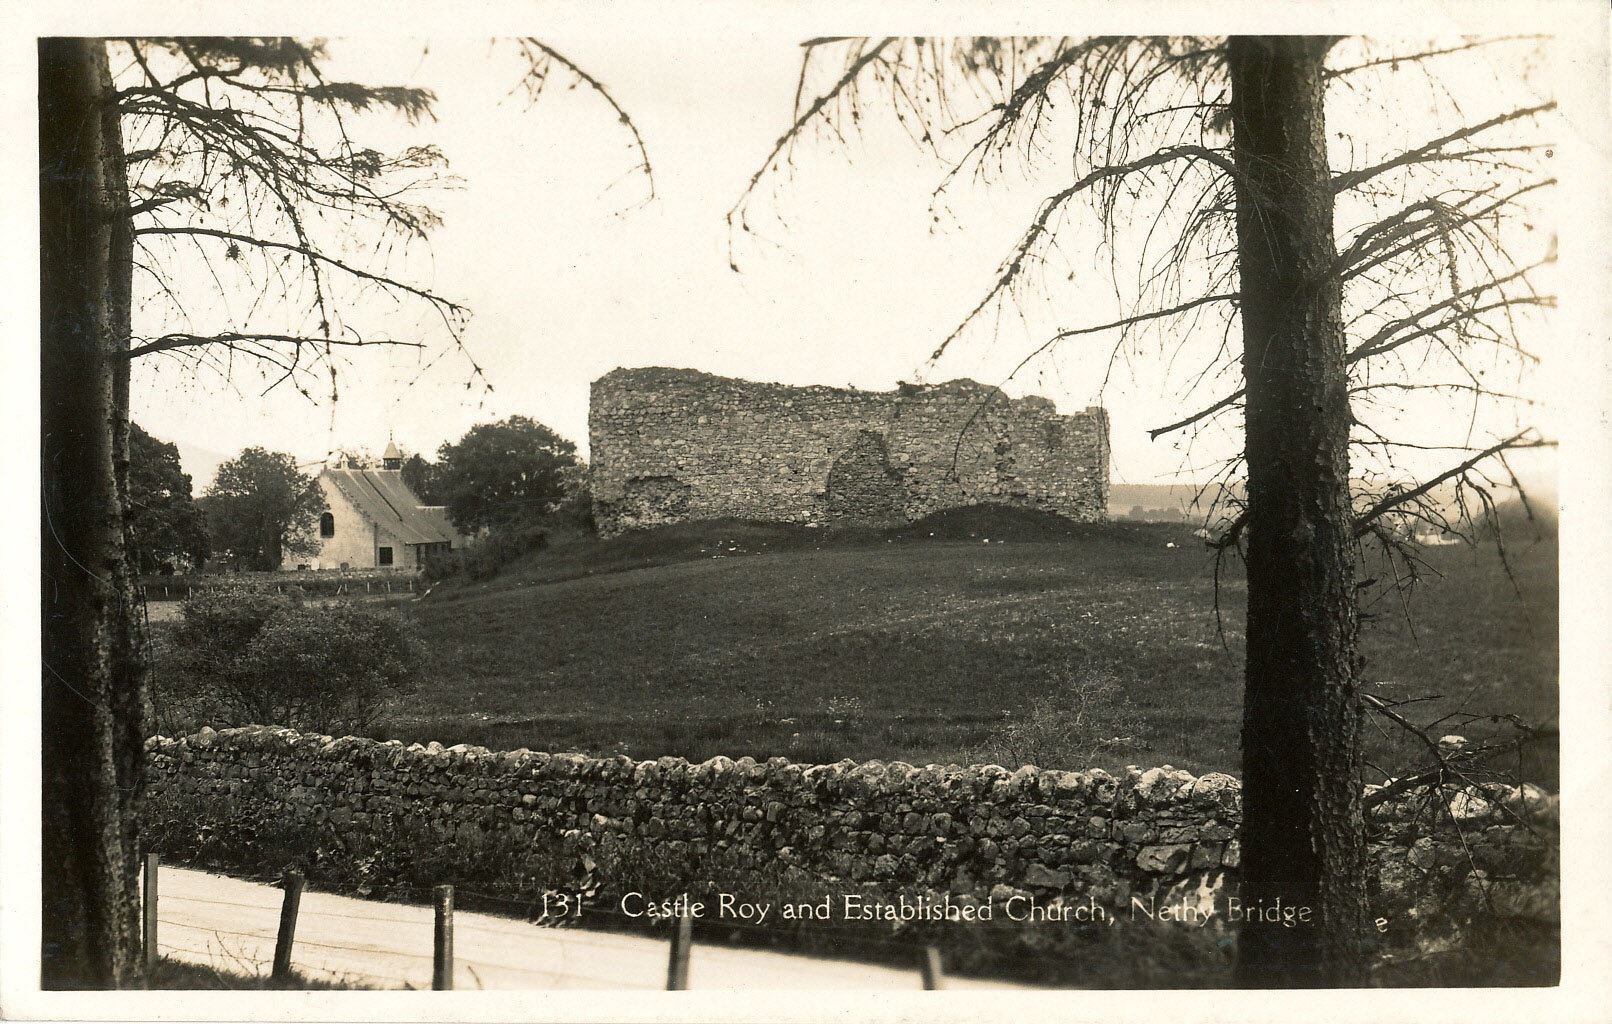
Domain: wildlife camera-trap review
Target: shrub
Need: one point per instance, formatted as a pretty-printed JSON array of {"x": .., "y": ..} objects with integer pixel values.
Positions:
[
  {"x": 217, "y": 624},
  {"x": 1073, "y": 727},
  {"x": 569, "y": 518},
  {"x": 575, "y": 510},
  {"x": 327, "y": 670},
  {"x": 482, "y": 558},
  {"x": 248, "y": 656}
]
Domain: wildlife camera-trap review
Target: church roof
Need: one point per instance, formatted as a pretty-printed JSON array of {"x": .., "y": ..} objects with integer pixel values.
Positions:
[
  {"x": 391, "y": 451},
  {"x": 381, "y": 496}
]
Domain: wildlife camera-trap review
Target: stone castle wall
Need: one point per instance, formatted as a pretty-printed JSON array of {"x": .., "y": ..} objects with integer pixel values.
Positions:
[
  {"x": 887, "y": 830},
  {"x": 670, "y": 446}
]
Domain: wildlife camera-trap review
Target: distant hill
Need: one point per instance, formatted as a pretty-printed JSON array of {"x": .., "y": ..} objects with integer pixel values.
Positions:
[
  {"x": 201, "y": 463},
  {"x": 1168, "y": 502},
  {"x": 1159, "y": 501}
]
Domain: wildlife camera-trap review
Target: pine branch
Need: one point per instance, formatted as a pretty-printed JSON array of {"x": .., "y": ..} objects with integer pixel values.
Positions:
[
  {"x": 802, "y": 120},
  {"x": 1352, "y": 179},
  {"x": 444, "y": 306},
  {"x": 1526, "y": 439},
  {"x": 1380, "y": 343},
  {"x": 598, "y": 87},
  {"x": 169, "y": 342},
  {"x": 1040, "y": 228}
]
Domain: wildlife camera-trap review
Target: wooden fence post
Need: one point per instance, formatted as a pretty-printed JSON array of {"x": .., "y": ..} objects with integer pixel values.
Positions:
[
  {"x": 288, "y": 926},
  {"x": 677, "y": 964},
  {"x": 148, "y": 929},
  {"x": 930, "y": 966},
  {"x": 442, "y": 951}
]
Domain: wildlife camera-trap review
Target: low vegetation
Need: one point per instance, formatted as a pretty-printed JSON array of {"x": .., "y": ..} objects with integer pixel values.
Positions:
[
  {"x": 980, "y": 635},
  {"x": 242, "y": 654},
  {"x": 182, "y": 975},
  {"x": 965, "y": 637}
]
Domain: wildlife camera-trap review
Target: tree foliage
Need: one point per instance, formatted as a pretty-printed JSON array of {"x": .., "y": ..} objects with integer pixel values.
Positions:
[
  {"x": 502, "y": 473},
  {"x": 246, "y": 172},
  {"x": 267, "y": 659},
  {"x": 261, "y": 508},
  {"x": 166, "y": 528},
  {"x": 421, "y": 475}
]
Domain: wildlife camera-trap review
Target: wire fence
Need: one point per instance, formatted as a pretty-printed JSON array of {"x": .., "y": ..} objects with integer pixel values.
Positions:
[
  {"x": 565, "y": 956},
  {"x": 239, "y": 956}
]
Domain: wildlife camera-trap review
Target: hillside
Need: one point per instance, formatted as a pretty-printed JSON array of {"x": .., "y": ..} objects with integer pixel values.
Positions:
[{"x": 970, "y": 636}]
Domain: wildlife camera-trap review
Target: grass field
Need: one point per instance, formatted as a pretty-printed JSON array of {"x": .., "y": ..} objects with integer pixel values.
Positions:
[{"x": 973, "y": 636}]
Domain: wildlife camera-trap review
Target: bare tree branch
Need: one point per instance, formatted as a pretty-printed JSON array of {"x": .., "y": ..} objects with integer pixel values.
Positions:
[
  {"x": 1353, "y": 179},
  {"x": 169, "y": 342},
  {"x": 1040, "y": 228},
  {"x": 1526, "y": 439},
  {"x": 536, "y": 50}
]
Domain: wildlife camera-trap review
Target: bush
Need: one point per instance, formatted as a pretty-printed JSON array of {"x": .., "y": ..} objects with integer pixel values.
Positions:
[
  {"x": 249, "y": 656},
  {"x": 1077, "y": 726},
  {"x": 327, "y": 670},
  {"x": 566, "y": 519},
  {"x": 482, "y": 558},
  {"x": 218, "y": 623}
]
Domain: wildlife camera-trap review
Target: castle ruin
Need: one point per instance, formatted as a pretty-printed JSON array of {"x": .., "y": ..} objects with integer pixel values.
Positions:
[{"x": 671, "y": 446}]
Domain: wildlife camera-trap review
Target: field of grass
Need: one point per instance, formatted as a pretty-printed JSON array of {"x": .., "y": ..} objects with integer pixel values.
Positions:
[{"x": 977, "y": 635}]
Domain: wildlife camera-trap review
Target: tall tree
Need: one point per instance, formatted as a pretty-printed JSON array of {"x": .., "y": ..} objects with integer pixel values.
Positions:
[
  {"x": 165, "y": 526},
  {"x": 228, "y": 163},
  {"x": 503, "y": 472},
  {"x": 261, "y": 508},
  {"x": 94, "y": 700},
  {"x": 1304, "y": 835},
  {"x": 421, "y": 476},
  {"x": 1208, "y": 165}
]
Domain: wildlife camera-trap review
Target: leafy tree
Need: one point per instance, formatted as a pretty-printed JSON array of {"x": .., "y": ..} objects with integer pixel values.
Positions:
[
  {"x": 165, "y": 526},
  {"x": 504, "y": 472},
  {"x": 270, "y": 660},
  {"x": 328, "y": 670},
  {"x": 217, "y": 623},
  {"x": 261, "y": 508},
  {"x": 420, "y": 474},
  {"x": 216, "y": 160},
  {"x": 1207, "y": 163}
]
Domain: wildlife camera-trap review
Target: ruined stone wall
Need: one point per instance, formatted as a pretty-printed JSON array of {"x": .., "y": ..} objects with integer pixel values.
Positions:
[
  {"x": 670, "y": 446},
  {"x": 971, "y": 835}
]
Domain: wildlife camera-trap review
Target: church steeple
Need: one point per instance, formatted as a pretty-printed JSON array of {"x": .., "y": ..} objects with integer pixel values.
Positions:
[{"x": 391, "y": 458}]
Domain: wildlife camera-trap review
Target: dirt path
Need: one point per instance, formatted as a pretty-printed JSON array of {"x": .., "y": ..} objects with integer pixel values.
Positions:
[{"x": 228, "y": 923}]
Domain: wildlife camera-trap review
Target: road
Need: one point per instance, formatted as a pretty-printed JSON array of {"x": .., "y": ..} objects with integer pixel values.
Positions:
[{"x": 229, "y": 923}]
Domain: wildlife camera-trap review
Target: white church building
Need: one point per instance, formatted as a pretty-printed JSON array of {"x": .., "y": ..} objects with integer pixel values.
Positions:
[{"x": 373, "y": 521}]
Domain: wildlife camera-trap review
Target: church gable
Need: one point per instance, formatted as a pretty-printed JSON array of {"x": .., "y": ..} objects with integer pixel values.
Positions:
[{"x": 372, "y": 520}]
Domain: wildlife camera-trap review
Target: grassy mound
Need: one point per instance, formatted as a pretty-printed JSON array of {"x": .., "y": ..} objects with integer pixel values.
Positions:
[{"x": 1009, "y": 523}]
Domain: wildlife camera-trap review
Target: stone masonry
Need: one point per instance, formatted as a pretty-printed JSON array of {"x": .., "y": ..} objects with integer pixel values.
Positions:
[
  {"x": 968, "y": 834},
  {"x": 670, "y": 446}
]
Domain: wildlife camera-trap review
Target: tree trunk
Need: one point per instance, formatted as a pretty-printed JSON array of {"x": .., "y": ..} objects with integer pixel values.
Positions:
[
  {"x": 1303, "y": 838},
  {"x": 94, "y": 700}
]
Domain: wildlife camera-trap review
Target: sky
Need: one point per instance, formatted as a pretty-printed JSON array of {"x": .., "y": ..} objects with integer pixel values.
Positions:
[{"x": 851, "y": 281}]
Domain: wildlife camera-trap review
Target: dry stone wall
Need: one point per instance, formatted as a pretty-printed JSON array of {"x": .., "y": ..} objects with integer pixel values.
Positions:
[
  {"x": 670, "y": 446},
  {"x": 948, "y": 835}
]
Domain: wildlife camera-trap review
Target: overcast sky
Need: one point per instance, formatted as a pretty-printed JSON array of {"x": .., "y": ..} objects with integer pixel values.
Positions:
[{"x": 854, "y": 283}]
